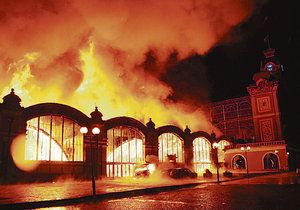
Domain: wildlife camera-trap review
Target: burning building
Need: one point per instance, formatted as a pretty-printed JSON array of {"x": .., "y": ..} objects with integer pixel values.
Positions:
[
  {"x": 65, "y": 57},
  {"x": 56, "y": 139}
]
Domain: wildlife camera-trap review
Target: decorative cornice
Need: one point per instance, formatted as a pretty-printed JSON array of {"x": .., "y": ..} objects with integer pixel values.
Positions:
[{"x": 262, "y": 86}]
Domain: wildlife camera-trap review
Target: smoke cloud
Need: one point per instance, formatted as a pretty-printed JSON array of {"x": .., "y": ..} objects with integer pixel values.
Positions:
[{"x": 75, "y": 52}]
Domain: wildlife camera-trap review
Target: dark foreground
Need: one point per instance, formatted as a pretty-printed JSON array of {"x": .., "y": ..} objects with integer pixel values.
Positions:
[{"x": 280, "y": 191}]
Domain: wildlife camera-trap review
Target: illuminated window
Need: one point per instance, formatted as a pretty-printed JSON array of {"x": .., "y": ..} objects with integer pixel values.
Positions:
[
  {"x": 221, "y": 152},
  {"x": 202, "y": 158},
  {"x": 169, "y": 146},
  {"x": 125, "y": 150},
  {"x": 53, "y": 138},
  {"x": 238, "y": 162}
]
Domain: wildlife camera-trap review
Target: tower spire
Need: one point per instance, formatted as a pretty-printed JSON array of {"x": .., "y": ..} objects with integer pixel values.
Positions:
[{"x": 267, "y": 40}]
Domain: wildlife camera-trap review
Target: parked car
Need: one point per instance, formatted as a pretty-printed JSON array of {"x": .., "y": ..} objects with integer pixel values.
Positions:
[
  {"x": 227, "y": 174},
  {"x": 178, "y": 173}
]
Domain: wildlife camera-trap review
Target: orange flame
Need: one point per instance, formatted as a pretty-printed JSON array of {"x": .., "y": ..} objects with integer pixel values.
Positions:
[{"x": 44, "y": 57}]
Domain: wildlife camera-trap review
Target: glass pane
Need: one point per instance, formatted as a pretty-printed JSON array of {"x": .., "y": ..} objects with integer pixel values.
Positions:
[
  {"x": 170, "y": 146},
  {"x": 31, "y": 139},
  {"x": 68, "y": 140},
  {"x": 221, "y": 152},
  {"x": 53, "y": 135},
  {"x": 125, "y": 148},
  {"x": 44, "y": 138},
  {"x": 78, "y": 143},
  {"x": 56, "y": 137},
  {"x": 202, "y": 158}
]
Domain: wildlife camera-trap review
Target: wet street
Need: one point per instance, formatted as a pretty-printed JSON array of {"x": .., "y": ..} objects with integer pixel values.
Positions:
[{"x": 280, "y": 191}]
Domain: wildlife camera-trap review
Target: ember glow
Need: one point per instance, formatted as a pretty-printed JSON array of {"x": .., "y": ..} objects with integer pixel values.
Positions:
[{"x": 87, "y": 53}]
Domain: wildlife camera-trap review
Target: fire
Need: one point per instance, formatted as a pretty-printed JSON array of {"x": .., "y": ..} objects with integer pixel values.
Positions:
[{"x": 86, "y": 54}]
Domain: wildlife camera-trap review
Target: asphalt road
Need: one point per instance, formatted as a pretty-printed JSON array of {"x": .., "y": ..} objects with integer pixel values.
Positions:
[{"x": 279, "y": 191}]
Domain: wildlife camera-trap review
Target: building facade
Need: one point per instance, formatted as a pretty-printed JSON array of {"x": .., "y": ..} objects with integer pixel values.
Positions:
[{"x": 49, "y": 137}]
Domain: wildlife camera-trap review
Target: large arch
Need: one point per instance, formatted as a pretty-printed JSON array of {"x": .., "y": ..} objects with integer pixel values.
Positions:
[
  {"x": 56, "y": 109},
  {"x": 170, "y": 144},
  {"x": 201, "y": 134},
  {"x": 53, "y": 138},
  {"x": 239, "y": 162},
  {"x": 125, "y": 150},
  {"x": 271, "y": 161},
  {"x": 170, "y": 129},
  {"x": 125, "y": 121},
  {"x": 170, "y": 148},
  {"x": 201, "y": 154}
]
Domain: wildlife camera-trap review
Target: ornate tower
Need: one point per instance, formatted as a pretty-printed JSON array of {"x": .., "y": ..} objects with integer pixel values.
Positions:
[{"x": 264, "y": 99}]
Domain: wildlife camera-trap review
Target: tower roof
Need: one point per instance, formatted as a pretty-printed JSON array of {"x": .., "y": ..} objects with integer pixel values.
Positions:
[
  {"x": 96, "y": 115},
  {"x": 12, "y": 100}
]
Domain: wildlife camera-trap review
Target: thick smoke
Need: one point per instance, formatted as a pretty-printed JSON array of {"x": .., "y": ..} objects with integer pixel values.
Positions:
[{"x": 44, "y": 42}]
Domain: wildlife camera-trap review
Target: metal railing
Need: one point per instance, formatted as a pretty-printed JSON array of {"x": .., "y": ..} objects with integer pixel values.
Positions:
[{"x": 255, "y": 144}]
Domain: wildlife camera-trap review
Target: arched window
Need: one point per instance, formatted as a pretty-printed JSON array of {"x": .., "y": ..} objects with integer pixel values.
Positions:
[
  {"x": 170, "y": 148},
  {"x": 125, "y": 149},
  {"x": 53, "y": 138},
  {"x": 202, "y": 159},
  {"x": 271, "y": 161},
  {"x": 238, "y": 162},
  {"x": 221, "y": 152}
]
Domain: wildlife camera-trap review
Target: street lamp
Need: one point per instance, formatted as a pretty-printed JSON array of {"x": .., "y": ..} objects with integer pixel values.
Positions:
[
  {"x": 95, "y": 131},
  {"x": 215, "y": 147},
  {"x": 247, "y": 149}
]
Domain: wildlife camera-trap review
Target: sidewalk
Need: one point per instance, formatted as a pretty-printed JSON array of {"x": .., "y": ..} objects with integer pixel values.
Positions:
[
  {"x": 66, "y": 192},
  {"x": 70, "y": 191}
]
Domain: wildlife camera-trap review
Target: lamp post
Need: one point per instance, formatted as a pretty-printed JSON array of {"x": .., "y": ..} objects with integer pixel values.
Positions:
[
  {"x": 95, "y": 131},
  {"x": 215, "y": 147},
  {"x": 247, "y": 149}
]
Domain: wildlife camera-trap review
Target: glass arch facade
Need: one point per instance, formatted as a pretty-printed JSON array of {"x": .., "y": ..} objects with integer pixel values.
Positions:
[
  {"x": 125, "y": 149},
  {"x": 202, "y": 157},
  {"x": 53, "y": 138},
  {"x": 221, "y": 152},
  {"x": 170, "y": 148}
]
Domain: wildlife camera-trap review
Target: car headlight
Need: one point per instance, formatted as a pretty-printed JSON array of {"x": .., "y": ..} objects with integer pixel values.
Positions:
[{"x": 151, "y": 167}]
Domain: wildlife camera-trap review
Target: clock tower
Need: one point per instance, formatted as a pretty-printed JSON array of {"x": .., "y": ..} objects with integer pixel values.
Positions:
[
  {"x": 264, "y": 99},
  {"x": 271, "y": 64}
]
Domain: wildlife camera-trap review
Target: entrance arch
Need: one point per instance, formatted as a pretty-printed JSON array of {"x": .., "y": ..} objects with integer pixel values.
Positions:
[
  {"x": 238, "y": 162},
  {"x": 170, "y": 148},
  {"x": 271, "y": 161},
  {"x": 53, "y": 138},
  {"x": 125, "y": 149},
  {"x": 202, "y": 160}
]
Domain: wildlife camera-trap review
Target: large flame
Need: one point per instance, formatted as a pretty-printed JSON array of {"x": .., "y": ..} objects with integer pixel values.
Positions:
[{"x": 86, "y": 54}]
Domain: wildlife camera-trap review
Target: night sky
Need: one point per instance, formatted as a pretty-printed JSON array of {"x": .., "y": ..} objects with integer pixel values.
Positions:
[{"x": 226, "y": 70}]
